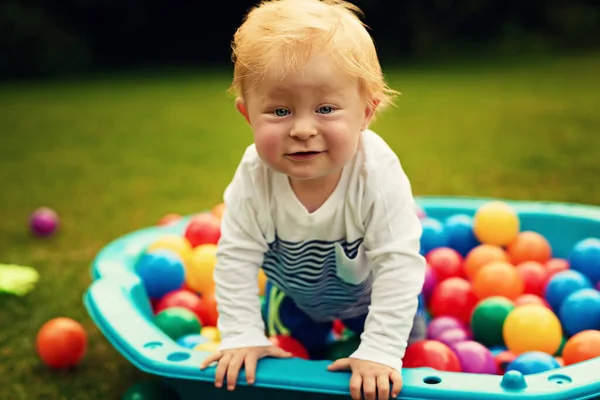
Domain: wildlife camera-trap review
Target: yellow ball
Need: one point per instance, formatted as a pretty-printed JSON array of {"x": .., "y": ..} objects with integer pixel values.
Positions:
[
  {"x": 199, "y": 275},
  {"x": 262, "y": 282},
  {"x": 532, "y": 327},
  {"x": 496, "y": 223},
  {"x": 211, "y": 333},
  {"x": 175, "y": 243},
  {"x": 209, "y": 346}
]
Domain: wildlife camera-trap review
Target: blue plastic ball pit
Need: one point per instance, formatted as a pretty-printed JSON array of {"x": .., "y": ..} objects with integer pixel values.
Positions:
[{"x": 118, "y": 304}]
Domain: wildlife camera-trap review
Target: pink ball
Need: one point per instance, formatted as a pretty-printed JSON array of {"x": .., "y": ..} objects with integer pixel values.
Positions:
[
  {"x": 442, "y": 323},
  {"x": 430, "y": 282},
  {"x": 420, "y": 212},
  {"x": 43, "y": 221},
  {"x": 452, "y": 336},
  {"x": 474, "y": 357}
]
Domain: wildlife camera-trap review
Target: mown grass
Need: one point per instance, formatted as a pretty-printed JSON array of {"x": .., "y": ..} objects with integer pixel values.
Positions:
[{"x": 114, "y": 154}]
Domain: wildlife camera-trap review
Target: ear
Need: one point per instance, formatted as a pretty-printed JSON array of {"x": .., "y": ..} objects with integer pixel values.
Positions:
[
  {"x": 241, "y": 107},
  {"x": 369, "y": 114}
]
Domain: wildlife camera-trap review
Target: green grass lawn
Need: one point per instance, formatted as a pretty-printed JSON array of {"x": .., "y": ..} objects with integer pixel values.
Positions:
[{"x": 113, "y": 155}]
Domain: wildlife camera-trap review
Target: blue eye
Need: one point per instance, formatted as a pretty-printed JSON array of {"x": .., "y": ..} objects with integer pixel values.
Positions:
[
  {"x": 326, "y": 110},
  {"x": 281, "y": 112}
]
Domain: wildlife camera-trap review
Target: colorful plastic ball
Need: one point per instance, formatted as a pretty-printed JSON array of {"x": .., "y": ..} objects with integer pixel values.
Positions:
[
  {"x": 432, "y": 236},
  {"x": 176, "y": 322},
  {"x": 498, "y": 278},
  {"x": 203, "y": 228},
  {"x": 150, "y": 390},
  {"x": 533, "y": 362},
  {"x": 420, "y": 211},
  {"x": 211, "y": 332},
  {"x": 502, "y": 360},
  {"x": 218, "y": 210},
  {"x": 534, "y": 276},
  {"x": 429, "y": 283},
  {"x": 180, "y": 298},
  {"x": 559, "y": 351},
  {"x": 497, "y": 350},
  {"x": 454, "y": 335},
  {"x": 532, "y": 327},
  {"x": 169, "y": 219},
  {"x": 582, "y": 346},
  {"x": 562, "y": 284},
  {"x": 496, "y": 223},
  {"x": 290, "y": 345},
  {"x": 529, "y": 298},
  {"x": 474, "y": 357},
  {"x": 453, "y": 297},
  {"x": 192, "y": 340},
  {"x": 446, "y": 263},
  {"x": 443, "y": 323},
  {"x": 483, "y": 255},
  {"x": 61, "y": 343},
  {"x": 176, "y": 243},
  {"x": 585, "y": 258},
  {"x": 200, "y": 271},
  {"x": 459, "y": 231},
  {"x": 208, "y": 346},
  {"x": 529, "y": 246},
  {"x": 556, "y": 265},
  {"x": 43, "y": 221},
  {"x": 161, "y": 271},
  {"x": 580, "y": 311},
  {"x": 488, "y": 319},
  {"x": 208, "y": 309},
  {"x": 432, "y": 354}
]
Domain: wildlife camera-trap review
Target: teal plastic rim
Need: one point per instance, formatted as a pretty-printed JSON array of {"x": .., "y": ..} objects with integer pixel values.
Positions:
[{"x": 119, "y": 306}]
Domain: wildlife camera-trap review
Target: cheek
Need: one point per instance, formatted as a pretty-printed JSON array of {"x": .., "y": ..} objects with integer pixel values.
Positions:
[
  {"x": 268, "y": 141},
  {"x": 343, "y": 145}
]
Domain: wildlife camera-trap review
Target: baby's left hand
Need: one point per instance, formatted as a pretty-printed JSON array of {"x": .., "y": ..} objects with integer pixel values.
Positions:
[{"x": 372, "y": 377}]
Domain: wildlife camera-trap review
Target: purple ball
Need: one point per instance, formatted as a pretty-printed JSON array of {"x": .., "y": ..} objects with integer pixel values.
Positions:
[
  {"x": 452, "y": 336},
  {"x": 43, "y": 221},
  {"x": 474, "y": 357},
  {"x": 440, "y": 324},
  {"x": 430, "y": 282}
]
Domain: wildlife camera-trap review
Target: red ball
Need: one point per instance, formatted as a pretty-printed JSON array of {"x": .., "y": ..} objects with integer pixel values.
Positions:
[
  {"x": 61, "y": 342},
  {"x": 534, "y": 276},
  {"x": 555, "y": 265},
  {"x": 445, "y": 263},
  {"x": 433, "y": 354},
  {"x": 290, "y": 344},
  {"x": 453, "y": 297},
  {"x": 208, "y": 312},
  {"x": 338, "y": 327},
  {"x": 180, "y": 298},
  {"x": 203, "y": 229},
  {"x": 529, "y": 298},
  {"x": 502, "y": 360}
]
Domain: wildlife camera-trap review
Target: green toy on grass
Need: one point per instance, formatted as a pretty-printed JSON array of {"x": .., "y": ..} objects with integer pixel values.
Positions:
[{"x": 17, "y": 279}]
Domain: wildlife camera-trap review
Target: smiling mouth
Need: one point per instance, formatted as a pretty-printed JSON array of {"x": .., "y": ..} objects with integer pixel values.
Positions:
[{"x": 303, "y": 155}]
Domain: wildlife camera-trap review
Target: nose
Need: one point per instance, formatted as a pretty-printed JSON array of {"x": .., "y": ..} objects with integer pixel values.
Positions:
[{"x": 303, "y": 129}]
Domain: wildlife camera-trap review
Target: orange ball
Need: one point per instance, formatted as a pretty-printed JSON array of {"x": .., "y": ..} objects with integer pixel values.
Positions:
[
  {"x": 529, "y": 246},
  {"x": 582, "y": 346},
  {"x": 208, "y": 311},
  {"x": 498, "y": 278},
  {"x": 61, "y": 342},
  {"x": 218, "y": 210},
  {"x": 168, "y": 219},
  {"x": 482, "y": 255}
]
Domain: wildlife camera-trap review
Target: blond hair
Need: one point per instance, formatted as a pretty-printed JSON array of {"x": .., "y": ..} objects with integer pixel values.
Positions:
[{"x": 288, "y": 32}]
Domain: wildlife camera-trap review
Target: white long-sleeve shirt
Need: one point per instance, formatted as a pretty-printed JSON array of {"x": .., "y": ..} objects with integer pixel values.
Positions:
[{"x": 357, "y": 254}]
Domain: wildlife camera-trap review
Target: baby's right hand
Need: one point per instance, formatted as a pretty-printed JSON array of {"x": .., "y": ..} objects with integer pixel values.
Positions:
[{"x": 231, "y": 361}]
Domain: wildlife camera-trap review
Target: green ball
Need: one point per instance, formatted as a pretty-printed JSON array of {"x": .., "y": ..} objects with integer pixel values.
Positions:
[
  {"x": 488, "y": 318},
  {"x": 343, "y": 348},
  {"x": 176, "y": 322},
  {"x": 561, "y": 347},
  {"x": 150, "y": 390}
]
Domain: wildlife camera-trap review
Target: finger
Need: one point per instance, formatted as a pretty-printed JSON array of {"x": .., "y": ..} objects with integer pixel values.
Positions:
[
  {"x": 222, "y": 369},
  {"x": 234, "y": 369},
  {"x": 210, "y": 359},
  {"x": 396, "y": 379},
  {"x": 275, "y": 351},
  {"x": 383, "y": 386},
  {"x": 355, "y": 386},
  {"x": 250, "y": 367},
  {"x": 369, "y": 385},
  {"x": 339, "y": 365}
]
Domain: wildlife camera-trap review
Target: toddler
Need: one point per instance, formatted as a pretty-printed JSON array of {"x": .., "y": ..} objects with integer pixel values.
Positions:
[{"x": 319, "y": 201}]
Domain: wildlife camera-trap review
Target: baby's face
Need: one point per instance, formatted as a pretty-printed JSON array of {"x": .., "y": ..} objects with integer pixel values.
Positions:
[{"x": 308, "y": 124}]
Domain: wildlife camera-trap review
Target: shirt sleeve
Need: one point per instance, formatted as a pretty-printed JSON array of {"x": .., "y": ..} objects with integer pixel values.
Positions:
[
  {"x": 240, "y": 254},
  {"x": 392, "y": 242}
]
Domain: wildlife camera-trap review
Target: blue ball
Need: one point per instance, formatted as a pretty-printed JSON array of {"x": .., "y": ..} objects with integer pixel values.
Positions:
[
  {"x": 585, "y": 258},
  {"x": 562, "y": 284},
  {"x": 433, "y": 235},
  {"x": 533, "y": 362},
  {"x": 459, "y": 231},
  {"x": 161, "y": 272},
  {"x": 495, "y": 350},
  {"x": 192, "y": 340},
  {"x": 580, "y": 311}
]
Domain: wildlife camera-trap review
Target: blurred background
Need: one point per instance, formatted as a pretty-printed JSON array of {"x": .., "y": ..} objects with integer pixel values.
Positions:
[{"x": 115, "y": 113}]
